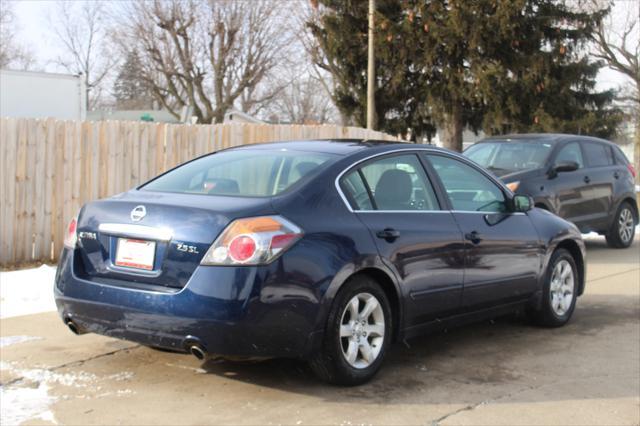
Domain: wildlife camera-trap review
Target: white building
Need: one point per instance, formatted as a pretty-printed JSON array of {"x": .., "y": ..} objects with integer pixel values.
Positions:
[{"x": 42, "y": 95}]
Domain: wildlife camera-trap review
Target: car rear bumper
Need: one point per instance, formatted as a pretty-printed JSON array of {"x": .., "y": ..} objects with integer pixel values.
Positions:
[{"x": 228, "y": 311}]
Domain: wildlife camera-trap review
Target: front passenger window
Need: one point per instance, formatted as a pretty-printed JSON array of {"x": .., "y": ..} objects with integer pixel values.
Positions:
[
  {"x": 570, "y": 152},
  {"x": 467, "y": 188}
]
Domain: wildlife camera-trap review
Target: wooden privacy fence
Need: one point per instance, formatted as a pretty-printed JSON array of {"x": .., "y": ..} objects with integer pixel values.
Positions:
[{"x": 49, "y": 168}]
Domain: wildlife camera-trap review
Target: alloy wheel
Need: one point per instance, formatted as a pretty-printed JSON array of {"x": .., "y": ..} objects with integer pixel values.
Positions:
[
  {"x": 362, "y": 330},
  {"x": 625, "y": 225},
  {"x": 561, "y": 288}
]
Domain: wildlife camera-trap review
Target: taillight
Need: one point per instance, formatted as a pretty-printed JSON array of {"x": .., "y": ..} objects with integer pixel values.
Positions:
[
  {"x": 252, "y": 241},
  {"x": 70, "y": 237},
  {"x": 631, "y": 170}
]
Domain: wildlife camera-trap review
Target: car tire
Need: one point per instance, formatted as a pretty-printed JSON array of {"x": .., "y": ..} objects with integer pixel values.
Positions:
[
  {"x": 335, "y": 363},
  {"x": 623, "y": 228},
  {"x": 560, "y": 291}
]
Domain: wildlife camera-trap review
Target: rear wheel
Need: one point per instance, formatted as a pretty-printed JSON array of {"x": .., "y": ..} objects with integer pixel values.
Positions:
[
  {"x": 357, "y": 334},
  {"x": 621, "y": 233},
  {"x": 559, "y": 292}
]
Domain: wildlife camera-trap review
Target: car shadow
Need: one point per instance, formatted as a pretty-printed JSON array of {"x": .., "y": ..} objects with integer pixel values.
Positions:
[{"x": 477, "y": 360}]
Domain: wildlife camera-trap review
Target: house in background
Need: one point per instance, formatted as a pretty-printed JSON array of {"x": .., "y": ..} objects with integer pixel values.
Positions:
[
  {"x": 236, "y": 116},
  {"x": 161, "y": 116},
  {"x": 29, "y": 94}
]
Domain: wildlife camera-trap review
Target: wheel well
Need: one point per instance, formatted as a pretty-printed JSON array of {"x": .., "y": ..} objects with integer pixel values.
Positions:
[
  {"x": 389, "y": 288},
  {"x": 572, "y": 247},
  {"x": 634, "y": 206}
]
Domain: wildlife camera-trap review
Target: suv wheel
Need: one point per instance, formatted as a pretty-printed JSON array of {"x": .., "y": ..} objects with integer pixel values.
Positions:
[
  {"x": 559, "y": 292},
  {"x": 357, "y": 334},
  {"x": 623, "y": 228}
]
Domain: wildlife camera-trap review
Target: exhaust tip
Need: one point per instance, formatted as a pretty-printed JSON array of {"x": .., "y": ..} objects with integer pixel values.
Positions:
[
  {"x": 198, "y": 352},
  {"x": 73, "y": 327}
]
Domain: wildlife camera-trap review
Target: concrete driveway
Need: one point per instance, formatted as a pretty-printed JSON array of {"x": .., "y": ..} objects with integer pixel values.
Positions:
[{"x": 501, "y": 372}]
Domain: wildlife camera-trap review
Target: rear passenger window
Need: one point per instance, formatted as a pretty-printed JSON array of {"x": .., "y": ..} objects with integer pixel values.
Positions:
[
  {"x": 597, "y": 154},
  {"x": 357, "y": 192},
  {"x": 396, "y": 183}
]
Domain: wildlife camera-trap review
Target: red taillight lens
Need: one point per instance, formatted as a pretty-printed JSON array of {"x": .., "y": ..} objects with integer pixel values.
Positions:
[
  {"x": 252, "y": 241},
  {"x": 242, "y": 248},
  {"x": 631, "y": 170},
  {"x": 70, "y": 238}
]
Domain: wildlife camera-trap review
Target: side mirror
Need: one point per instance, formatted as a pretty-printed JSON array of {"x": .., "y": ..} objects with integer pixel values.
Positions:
[
  {"x": 566, "y": 166},
  {"x": 522, "y": 203}
]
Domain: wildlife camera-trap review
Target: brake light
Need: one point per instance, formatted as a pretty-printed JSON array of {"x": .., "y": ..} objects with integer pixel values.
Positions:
[
  {"x": 242, "y": 248},
  {"x": 252, "y": 241},
  {"x": 631, "y": 170},
  {"x": 70, "y": 237}
]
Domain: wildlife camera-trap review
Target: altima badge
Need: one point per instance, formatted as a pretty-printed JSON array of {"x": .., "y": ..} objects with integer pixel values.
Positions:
[{"x": 138, "y": 213}]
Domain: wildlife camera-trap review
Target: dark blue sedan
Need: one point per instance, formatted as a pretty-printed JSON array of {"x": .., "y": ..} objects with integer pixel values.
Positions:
[{"x": 322, "y": 250}]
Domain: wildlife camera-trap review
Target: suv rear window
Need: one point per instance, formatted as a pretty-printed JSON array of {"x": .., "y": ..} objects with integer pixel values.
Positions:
[
  {"x": 597, "y": 154},
  {"x": 243, "y": 173}
]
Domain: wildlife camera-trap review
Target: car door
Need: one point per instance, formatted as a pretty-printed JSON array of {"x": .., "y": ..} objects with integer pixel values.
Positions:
[
  {"x": 570, "y": 191},
  {"x": 502, "y": 248},
  {"x": 601, "y": 175},
  {"x": 419, "y": 241}
]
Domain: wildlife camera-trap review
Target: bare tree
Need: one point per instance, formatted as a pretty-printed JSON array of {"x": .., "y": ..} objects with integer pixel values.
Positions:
[
  {"x": 618, "y": 44},
  {"x": 82, "y": 30},
  {"x": 12, "y": 53},
  {"x": 208, "y": 56},
  {"x": 303, "y": 99}
]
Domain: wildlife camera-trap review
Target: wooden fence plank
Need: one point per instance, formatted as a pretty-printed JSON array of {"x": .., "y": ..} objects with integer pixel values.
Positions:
[
  {"x": 50, "y": 143},
  {"x": 39, "y": 244},
  {"x": 10, "y": 140}
]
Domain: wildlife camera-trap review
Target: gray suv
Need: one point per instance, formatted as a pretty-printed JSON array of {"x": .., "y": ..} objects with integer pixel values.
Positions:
[{"x": 585, "y": 180}]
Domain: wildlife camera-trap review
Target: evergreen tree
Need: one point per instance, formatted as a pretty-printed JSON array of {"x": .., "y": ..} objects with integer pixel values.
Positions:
[
  {"x": 341, "y": 36},
  {"x": 501, "y": 66},
  {"x": 130, "y": 89}
]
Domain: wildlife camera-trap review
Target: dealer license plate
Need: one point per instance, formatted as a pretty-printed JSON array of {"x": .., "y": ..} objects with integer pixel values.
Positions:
[{"x": 138, "y": 254}]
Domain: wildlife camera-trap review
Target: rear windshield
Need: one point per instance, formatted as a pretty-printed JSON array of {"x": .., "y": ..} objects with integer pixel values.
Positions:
[
  {"x": 506, "y": 157},
  {"x": 244, "y": 173}
]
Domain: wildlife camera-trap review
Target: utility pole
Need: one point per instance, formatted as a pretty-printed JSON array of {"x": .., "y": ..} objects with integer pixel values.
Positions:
[{"x": 371, "y": 69}]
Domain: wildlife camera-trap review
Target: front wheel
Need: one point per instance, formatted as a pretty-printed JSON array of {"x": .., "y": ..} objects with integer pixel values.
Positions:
[
  {"x": 559, "y": 292},
  {"x": 357, "y": 334},
  {"x": 621, "y": 233}
]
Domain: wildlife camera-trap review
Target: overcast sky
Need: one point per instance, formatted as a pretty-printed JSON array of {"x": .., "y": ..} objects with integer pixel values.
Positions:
[{"x": 35, "y": 32}]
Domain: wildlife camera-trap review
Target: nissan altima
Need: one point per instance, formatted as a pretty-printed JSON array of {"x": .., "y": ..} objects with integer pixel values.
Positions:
[{"x": 327, "y": 251}]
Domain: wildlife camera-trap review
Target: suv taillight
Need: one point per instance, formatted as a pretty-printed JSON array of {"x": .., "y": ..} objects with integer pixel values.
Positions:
[
  {"x": 631, "y": 170},
  {"x": 252, "y": 241}
]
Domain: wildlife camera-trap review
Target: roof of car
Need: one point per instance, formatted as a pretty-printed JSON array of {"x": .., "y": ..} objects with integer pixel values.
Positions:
[
  {"x": 541, "y": 137},
  {"x": 337, "y": 146}
]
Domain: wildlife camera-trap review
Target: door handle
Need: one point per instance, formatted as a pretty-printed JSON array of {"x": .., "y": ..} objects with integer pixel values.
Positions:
[
  {"x": 616, "y": 175},
  {"x": 587, "y": 179},
  {"x": 388, "y": 234},
  {"x": 473, "y": 236}
]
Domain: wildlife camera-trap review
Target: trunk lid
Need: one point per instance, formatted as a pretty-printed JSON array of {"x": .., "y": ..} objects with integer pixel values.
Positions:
[{"x": 176, "y": 229}]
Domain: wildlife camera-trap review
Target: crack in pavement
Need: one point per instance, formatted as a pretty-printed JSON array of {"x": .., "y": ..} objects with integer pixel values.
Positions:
[
  {"x": 17, "y": 380},
  {"x": 612, "y": 275},
  {"x": 472, "y": 407}
]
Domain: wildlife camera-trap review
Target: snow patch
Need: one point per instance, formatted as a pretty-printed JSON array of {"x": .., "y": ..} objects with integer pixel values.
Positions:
[
  {"x": 14, "y": 340},
  {"x": 20, "y": 404},
  {"x": 29, "y": 398},
  {"x": 27, "y": 291}
]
